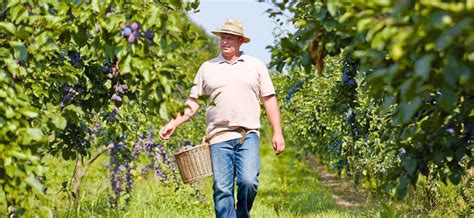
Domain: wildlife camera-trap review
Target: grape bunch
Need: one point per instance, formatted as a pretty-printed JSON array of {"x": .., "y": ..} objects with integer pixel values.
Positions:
[
  {"x": 132, "y": 32},
  {"x": 120, "y": 176},
  {"x": 71, "y": 92},
  {"x": 349, "y": 73},
  {"x": 75, "y": 59},
  {"x": 94, "y": 131},
  {"x": 120, "y": 89},
  {"x": 122, "y": 154},
  {"x": 113, "y": 115}
]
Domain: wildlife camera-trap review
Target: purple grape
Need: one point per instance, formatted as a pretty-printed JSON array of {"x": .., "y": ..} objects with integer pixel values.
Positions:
[
  {"x": 345, "y": 78},
  {"x": 135, "y": 26},
  {"x": 450, "y": 131},
  {"x": 149, "y": 35},
  {"x": 113, "y": 115},
  {"x": 116, "y": 97},
  {"x": 137, "y": 33},
  {"x": 351, "y": 82},
  {"x": 124, "y": 87},
  {"x": 121, "y": 88},
  {"x": 132, "y": 38},
  {"x": 137, "y": 147},
  {"x": 126, "y": 31},
  {"x": 75, "y": 58},
  {"x": 107, "y": 69},
  {"x": 122, "y": 137}
]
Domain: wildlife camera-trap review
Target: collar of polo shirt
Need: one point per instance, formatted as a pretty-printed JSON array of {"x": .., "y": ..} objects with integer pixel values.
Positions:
[{"x": 221, "y": 58}]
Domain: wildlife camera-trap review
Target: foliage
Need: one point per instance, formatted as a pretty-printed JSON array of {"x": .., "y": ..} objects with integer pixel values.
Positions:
[
  {"x": 19, "y": 164},
  {"x": 95, "y": 73},
  {"x": 411, "y": 98}
]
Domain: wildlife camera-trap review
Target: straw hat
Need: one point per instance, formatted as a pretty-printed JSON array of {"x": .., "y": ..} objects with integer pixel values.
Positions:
[{"x": 234, "y": 27}]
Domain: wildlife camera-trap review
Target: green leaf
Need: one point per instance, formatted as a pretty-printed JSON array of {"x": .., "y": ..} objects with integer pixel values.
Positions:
[
  {"x": 163, "y": 112},
  {"x": 95, "y": 5},
  {"x": 80, "y": 36},
  {"x": 9, "y": 112},
  {"x": 438, "y": 157},
  {"x": 19, "y": 155},
  {"x": 28, "y": 113},
  {"x": 21, "y": 52},
  {"x": 125, "y": 66},
  {"x": 396, "y": 51},
  {"x": 37, "y": 187},
  {"x": 402, "y": 188},
  {"x": 177, "y": 4},
  {"x": 406, "y": 110},
  {"x": 454, "y": 69},
  {"x": 76, "y": 109},
  {"x": 195, "y": 4},
  {"x": 331, "y": 8},
  {"x": 448, "y": 99},
  {"x": 423, "y": 66},
  {"x": 46, "y": 211},
  {"x": 364, "y": 24},
  {"x": 8, "y": 27},
  {"x": 59, "y": 121},
  {"x": 447, "y": 37},
  {"x": 34, "y": 134},
  {"x": 409, "y": 163}
]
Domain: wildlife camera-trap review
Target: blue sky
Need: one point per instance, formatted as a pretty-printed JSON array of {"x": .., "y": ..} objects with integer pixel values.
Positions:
[{"x": 257, "y": 25}]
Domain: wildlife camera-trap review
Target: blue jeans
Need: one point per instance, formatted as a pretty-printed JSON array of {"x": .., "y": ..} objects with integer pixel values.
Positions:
[{"x": 232, "y": 160}]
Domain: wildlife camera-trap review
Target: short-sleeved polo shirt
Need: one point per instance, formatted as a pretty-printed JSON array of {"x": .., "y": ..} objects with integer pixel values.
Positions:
[{"x": 235, "y": 89}]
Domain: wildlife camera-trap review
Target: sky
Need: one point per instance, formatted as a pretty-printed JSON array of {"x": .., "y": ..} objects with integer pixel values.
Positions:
[{"x": 257, "y": 25}]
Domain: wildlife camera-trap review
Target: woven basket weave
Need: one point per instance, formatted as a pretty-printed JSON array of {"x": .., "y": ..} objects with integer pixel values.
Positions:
[{"x": 194, "y": 164}]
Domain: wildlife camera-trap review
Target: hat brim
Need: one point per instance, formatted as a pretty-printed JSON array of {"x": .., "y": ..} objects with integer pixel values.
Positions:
[{"x": 218, "y": 33}]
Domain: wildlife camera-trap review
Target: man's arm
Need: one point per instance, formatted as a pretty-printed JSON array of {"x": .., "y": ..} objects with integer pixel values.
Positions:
[
  {"x": 167, "y": 130},
  {"x": 273, "y": 113}
]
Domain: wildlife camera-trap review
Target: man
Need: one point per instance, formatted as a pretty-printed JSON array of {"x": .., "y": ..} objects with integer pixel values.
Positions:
[{"x": 235, "y": 82}]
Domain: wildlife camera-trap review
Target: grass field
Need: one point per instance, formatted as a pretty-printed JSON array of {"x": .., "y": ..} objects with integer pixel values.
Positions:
[{"x": 289, "y": 187}]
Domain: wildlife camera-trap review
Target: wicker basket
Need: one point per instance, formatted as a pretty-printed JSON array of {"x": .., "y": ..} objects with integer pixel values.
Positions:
[{"x": 194, "y": 164}]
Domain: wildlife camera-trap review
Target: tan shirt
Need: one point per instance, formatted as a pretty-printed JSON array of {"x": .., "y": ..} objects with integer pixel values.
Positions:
[{"x": 235, "y": 89}]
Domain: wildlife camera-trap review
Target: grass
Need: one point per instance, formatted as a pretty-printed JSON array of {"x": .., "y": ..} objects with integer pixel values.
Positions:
[{"x": 288, "y": 188}]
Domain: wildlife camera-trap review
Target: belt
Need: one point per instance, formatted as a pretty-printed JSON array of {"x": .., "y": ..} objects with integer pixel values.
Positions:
[{"x": 243, "y": 131}]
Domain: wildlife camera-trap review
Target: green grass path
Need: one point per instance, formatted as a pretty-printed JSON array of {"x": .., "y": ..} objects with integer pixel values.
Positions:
[{"x": 288, "y": 188}]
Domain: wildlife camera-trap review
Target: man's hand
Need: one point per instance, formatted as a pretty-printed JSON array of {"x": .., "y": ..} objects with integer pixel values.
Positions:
[
  {"x": 167, "y": 130},
  {"x": 278, "y": 143},
  {"x": 273, "y": 113}
]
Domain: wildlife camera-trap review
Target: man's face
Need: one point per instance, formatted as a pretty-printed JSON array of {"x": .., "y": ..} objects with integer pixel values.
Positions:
[{"x": 230, "y": 44}]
